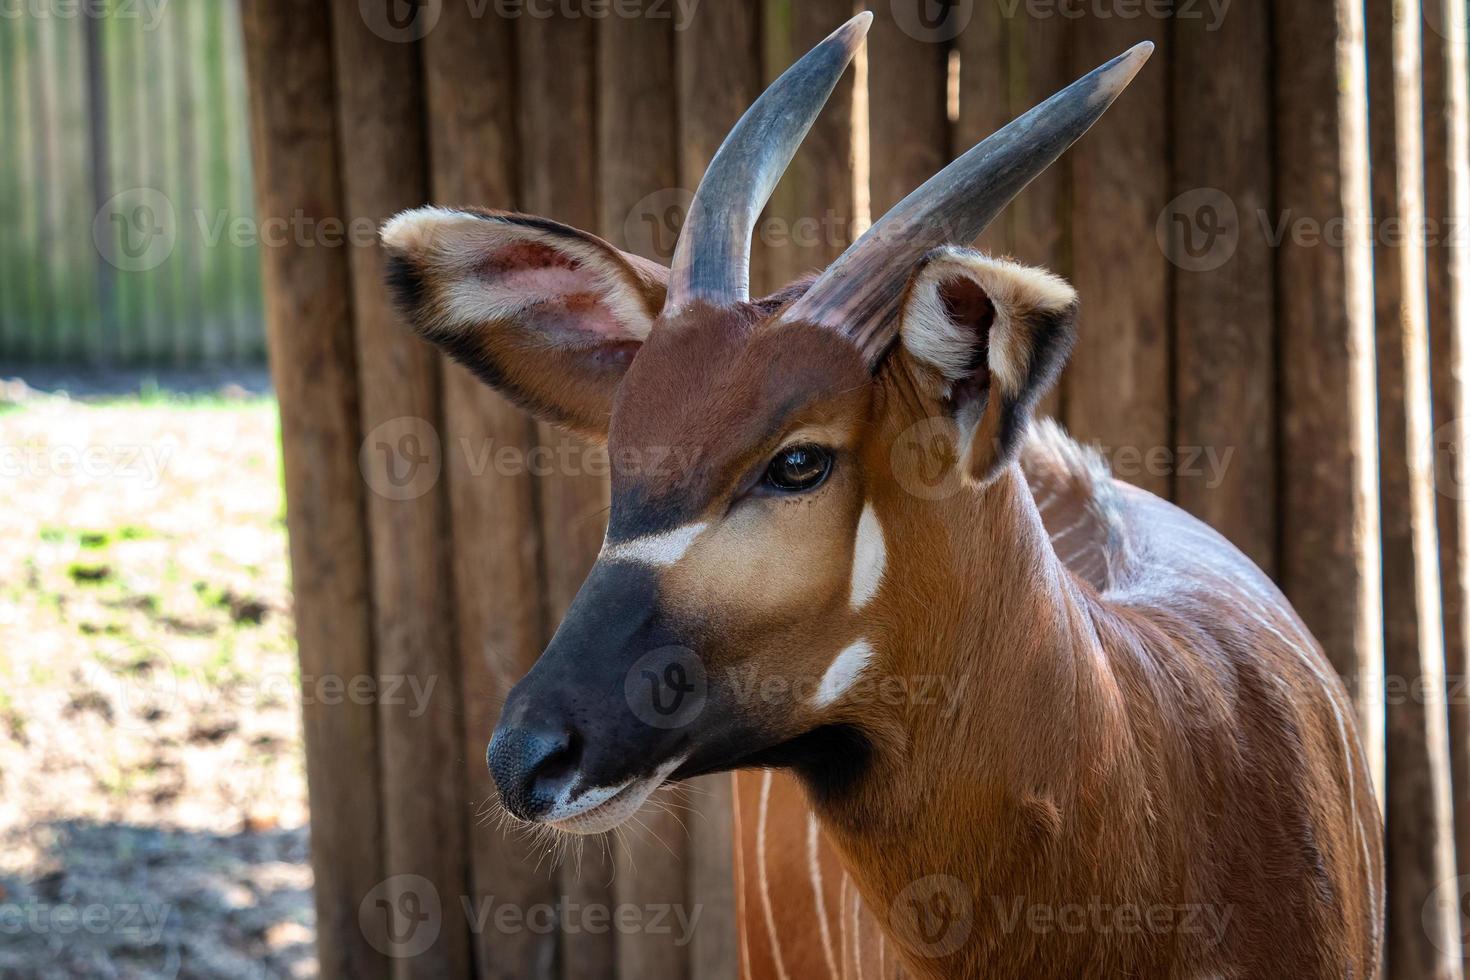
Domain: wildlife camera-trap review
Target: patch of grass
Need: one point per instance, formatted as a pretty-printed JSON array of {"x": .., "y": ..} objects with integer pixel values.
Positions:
[{"x": 83, "y": 573}]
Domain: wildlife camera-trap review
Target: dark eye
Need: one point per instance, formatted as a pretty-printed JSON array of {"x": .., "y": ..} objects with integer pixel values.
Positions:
[{"x": 797, "y": 468}]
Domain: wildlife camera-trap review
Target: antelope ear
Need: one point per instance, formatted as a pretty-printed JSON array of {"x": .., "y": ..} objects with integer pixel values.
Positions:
[
  {"x": 548, "y": 315},
  {"x": 989, "y": 338}
]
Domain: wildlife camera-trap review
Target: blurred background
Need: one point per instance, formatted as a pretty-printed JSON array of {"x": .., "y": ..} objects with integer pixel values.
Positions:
[{"x": 268, "y": 564}]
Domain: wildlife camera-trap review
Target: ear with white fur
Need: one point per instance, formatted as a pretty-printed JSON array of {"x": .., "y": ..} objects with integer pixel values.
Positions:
[
  {"x": 548, "y": 315},
  {"x": 988, "y": 337}
]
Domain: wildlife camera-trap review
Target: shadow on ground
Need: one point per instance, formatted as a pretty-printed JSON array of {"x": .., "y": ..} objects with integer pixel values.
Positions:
[{"x": 117, "y": 900}]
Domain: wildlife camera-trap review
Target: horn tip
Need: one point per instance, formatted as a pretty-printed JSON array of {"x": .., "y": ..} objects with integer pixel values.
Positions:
[
  {"x": 1116, "y": 75},
  {"x": 853, "y": 32}
]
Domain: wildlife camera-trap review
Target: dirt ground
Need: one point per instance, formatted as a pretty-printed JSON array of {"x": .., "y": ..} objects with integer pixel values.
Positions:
[{"x": 152, "y": 792}]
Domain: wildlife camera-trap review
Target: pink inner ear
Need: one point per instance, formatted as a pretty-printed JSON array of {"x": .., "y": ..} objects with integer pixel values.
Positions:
[{"x": 557, "y": 284}]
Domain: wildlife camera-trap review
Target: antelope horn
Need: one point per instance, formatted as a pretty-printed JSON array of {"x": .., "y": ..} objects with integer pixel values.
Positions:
[
  {"x": 861, "y": 293},
  {"x": 712, "y": 257}
]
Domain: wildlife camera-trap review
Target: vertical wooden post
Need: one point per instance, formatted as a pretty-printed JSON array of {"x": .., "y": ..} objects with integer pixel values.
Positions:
[
  {"x": 718, "y": 59},
  {"x": 1329, "y": 564},
  {"x": 312, "y": 364},
  {"x": 1038, "y": 51},
  {"x": 559, "y": 180},
  {"x": 99, "y": 154},
  {"x": 637, "y": 155},
  {"x": 1118, "y": 391},
  {"x": 908, "y": 130},
  {"x": 420, "y": 744},
  {"x": 1447, "y": 207},
  {"x": 984, "y": 97},
  {"x": 1423, "y": 923},
  {"x": 821, "y": 203},
  {"x": 1224, "y": 303}
]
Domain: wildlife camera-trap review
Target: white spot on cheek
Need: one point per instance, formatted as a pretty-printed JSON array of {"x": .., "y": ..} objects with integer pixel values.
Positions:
[
  {"x": 655, "y": 549},
  {"x": 869, "y": 556},
  {"x": 846, "y": 668}
]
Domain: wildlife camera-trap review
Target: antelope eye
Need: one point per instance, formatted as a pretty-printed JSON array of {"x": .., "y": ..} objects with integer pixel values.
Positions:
[{"x": 798, "y": 468}]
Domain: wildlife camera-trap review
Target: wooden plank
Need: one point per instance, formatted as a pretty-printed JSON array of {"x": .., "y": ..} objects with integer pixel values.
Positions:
[
  {"x": 1224, "y": 301},
  {"x": 248, "y": 338},
  {"x": 184, "y": 71},
  {"x": 1447, "y": 206},
  {"x": 1329, "y": 565},
  {"x": 558, "y": 169},
  {"x": 1423, "y": 919},
  {"x": 131, "y": 313},
  {"x": 637, "y": 156},
  {"x": 1118, "y": 383},
  {"x": 103, "y": 322},
  {"x": 1041, "y": 219},
  {"x": 378, "y": 118},
  {"x": 821, "y": 204},
  {"x": 43, "y": 81},
  {"x": 470, "y": 88},
  {"x": 719, "y": 75},
  {"x": 908, "y": 75},
  {"x": 11, "y": 256},
  {"x": 308, "y": 292},
  {"x": 982, "y": 49}
]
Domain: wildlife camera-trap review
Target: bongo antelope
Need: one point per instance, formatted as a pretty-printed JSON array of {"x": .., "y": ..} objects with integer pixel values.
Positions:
[{"x": 1134, "y": 725}]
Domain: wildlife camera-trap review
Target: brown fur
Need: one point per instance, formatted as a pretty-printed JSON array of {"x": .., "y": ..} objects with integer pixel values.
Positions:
[{"x": 1142, "y": 725}]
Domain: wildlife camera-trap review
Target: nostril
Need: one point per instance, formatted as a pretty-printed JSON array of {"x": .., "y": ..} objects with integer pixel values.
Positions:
[{"x": 532, "y": 768}]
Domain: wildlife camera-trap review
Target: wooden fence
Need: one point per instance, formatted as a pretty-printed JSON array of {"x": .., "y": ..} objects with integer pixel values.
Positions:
[
  {"x": 1273, "y": 336},
  {"x": 125, "y": 185}
]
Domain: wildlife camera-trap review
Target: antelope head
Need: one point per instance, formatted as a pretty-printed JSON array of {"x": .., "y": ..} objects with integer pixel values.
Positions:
[{"x": 776, "y": 545}]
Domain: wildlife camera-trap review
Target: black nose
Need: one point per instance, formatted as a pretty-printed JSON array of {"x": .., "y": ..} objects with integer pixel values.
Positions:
[{"x": 533, "y": 767}]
